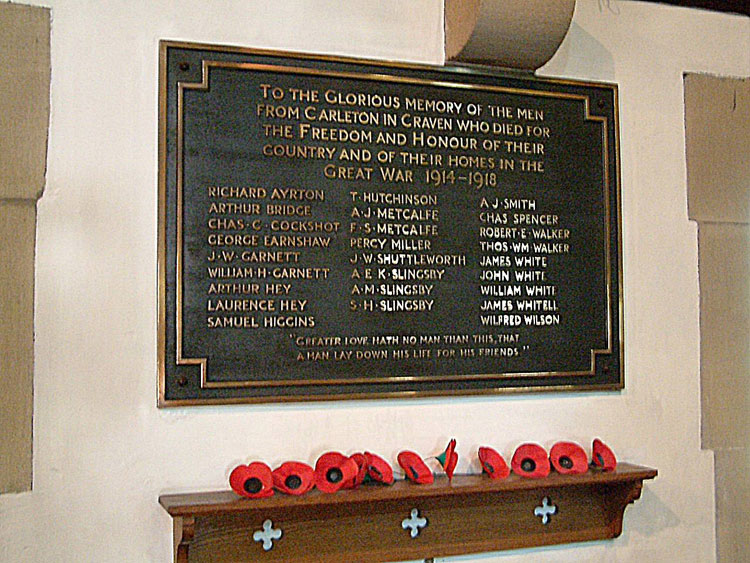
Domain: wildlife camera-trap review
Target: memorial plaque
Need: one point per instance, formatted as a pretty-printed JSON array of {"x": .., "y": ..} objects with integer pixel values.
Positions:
[{"x": 335, "y": 229}]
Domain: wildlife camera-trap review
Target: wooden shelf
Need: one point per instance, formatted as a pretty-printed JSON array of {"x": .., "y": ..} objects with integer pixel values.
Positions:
[{"x": 473, "y": 514}]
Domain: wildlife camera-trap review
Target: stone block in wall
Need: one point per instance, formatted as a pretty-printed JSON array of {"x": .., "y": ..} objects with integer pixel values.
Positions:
[
  {"x": 24, "y": 99},
  {"x": 724, "y": 264},
  {"x": 732, "y": 499},
  {"x": 717, "y": 122},
  {"x": 717, "y": 133},
  {"x": 17, "y": 224},
  {"x": 24, "y": 116}
]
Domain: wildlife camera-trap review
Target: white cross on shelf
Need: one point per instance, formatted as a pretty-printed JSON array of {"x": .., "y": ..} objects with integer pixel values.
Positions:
[
  {"x": 546, "y": 510},
  {"x": 415, "y": 523},
  {"x": 267, "y": 535}
]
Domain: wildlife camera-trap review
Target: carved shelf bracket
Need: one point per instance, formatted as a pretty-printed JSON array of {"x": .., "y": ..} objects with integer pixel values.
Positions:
[{"x": 471, "y": 514}]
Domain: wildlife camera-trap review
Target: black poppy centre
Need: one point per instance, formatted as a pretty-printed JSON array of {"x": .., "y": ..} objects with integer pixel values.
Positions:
[
  {"x": 253, "y": 485},
  {"x": 565, "y": 462},
  {"x": 334, "y": 475},
  {"x": 528, "y": 465},
  {"x": 293, "y": 482}
]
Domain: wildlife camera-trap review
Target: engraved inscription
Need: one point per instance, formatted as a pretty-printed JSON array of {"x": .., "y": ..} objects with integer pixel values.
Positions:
[{"x": 340, "y": 227}]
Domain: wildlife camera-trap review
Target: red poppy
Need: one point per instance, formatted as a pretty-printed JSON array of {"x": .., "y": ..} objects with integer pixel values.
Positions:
[
  {"x": 530, "y": 460},
  {"x": 252, "y": 481},
  {"x": 493, "y": 463},
  {"x": 378, "y": 469},
  {"x": 359, "y": 476},
  {"x": 449, "y": 459},
  {"x": 416, "y": 469},
  {"x": 568, "y": 458},
  {"x": 293, "y": 478},
  {"x": 602, "y": 457},
  {"x": 333, "y": 470}
]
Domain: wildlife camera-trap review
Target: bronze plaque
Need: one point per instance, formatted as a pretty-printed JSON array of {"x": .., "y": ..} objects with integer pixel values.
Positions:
[{"x": 334, "y": 229}]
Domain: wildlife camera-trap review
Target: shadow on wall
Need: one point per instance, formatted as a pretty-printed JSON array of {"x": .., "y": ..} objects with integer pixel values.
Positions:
[
  {"x": 581, "y": 55},
  {"x": 657, "y": 516}
]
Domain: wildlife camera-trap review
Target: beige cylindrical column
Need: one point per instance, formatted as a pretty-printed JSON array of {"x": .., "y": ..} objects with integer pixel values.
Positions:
[{"x": 519, "y": 34}]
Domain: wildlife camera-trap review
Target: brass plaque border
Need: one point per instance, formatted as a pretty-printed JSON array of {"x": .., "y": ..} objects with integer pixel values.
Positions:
[{"x": 205, "y": 383}]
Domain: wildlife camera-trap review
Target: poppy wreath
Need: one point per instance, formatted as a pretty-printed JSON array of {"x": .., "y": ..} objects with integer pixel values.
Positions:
[
  {"x": 493, "y": 463},
  {"x": 568, "y": 458},
  {"x": 449, "y": 459},
  {"x": 253, "y": 481},
  {"x": 378, "y": 469},
  {"x": 415, "y": 468},
  {"x": 602, "y": 457},
  {"x": 530, "y": 460},
  {"x": 333, "y": 471},
  {"x": 293, "y": 478}
]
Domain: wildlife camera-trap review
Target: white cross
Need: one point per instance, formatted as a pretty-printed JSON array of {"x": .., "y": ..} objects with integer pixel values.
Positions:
[
  {"x": 415, "y": 523},
  {"x": 267, "y": 535},
  {"x": 545, "y": 510}
]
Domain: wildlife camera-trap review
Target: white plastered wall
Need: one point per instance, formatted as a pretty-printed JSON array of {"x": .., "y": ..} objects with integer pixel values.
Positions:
[{"x": 104, "y": 452}]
